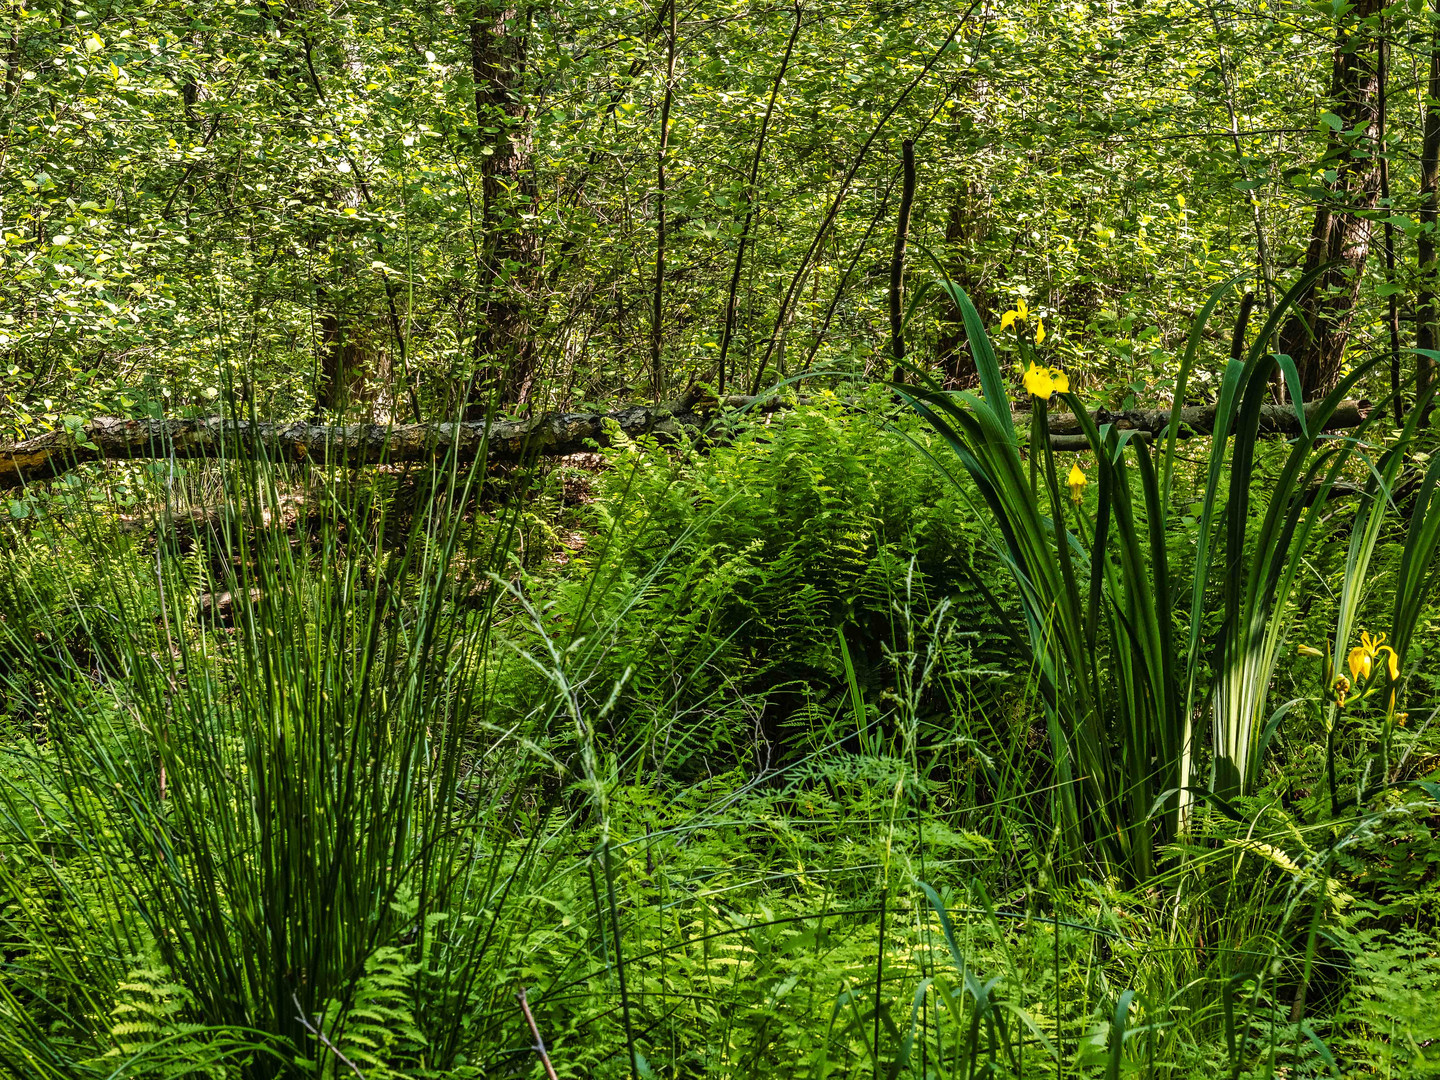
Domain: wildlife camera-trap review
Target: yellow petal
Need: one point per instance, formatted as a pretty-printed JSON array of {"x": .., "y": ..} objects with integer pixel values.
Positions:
[
  {"x": 1359, "y": 661},
  {"x": 1307, "y": 650},
  {"x": 1008, "y": 319},
  {"x": 1039, "y": 331},
  {"x": 1059, "y": 378},
  {"x": 1038, "y": 382},
  {"x": 1392, "y": 662},
  {"x": 1021, "y": 309},
  {"x": 1078, "y": 479}
]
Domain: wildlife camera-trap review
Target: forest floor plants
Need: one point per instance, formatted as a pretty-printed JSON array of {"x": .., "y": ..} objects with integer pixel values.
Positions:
[
  {"x": 1131, "y": 641},
  {"x": 870, "y": 887}
]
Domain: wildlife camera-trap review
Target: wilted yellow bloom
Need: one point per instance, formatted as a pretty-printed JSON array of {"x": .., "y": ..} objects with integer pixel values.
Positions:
[
  {"x": 1078, "y": 480},
  {"x": 1307, "y": 650}
]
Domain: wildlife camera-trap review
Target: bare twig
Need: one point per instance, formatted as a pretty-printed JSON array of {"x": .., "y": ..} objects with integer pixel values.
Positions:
[
  {"x": 324, "y": 1040},
  {"x": 535, "y": 1030}
]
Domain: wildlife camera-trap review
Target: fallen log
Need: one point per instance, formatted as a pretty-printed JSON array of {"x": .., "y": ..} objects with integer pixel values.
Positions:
[
  {"x": 1196, "y": 420},
  {"x": 114, "y": 438},
  {"x": 503, "y": 441}
]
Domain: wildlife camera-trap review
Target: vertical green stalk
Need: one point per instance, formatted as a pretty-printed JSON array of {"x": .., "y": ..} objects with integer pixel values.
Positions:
[{"x": 620, "y": 959}]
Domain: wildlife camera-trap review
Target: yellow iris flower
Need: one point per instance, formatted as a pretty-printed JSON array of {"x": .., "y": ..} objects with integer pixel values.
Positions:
[
  {"x": 1078, "y": 480},
  {"x": 1041, "y": 382},
  {"x": 1038, "y": 381},
  {"x": 1019, "y": 311},
  {"x": 1363, "y": 657}
]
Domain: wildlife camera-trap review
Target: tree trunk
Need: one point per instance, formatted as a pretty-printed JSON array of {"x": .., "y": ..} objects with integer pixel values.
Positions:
[
  {"x": 897, "y": 258},
  {"x": 1397, "y": 405},
  {"x": 963, "y": 228},
  {"x": 334, "y": 365},
  {"x": 1426, "y": 312},
  {"x": 657, "y": 316},
  {"x": 505, "y": 345},
  {"x": 1316, "y": 334},
  {"x": 351, "y": 371}
]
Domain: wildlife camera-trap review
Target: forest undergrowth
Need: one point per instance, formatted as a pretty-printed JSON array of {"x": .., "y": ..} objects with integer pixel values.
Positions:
[{"x": 735, "y": 771}]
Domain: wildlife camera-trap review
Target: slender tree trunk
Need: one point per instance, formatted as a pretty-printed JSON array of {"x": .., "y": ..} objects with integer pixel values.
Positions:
[
  {"x": 965, "y": 227},
  {"x": 505, "y": 346},
  {"x": 849, "y": 272},
  {"x": 1316, "y": 335},
  {"x": 750, "y": 195},
  {"x": 330, "y": 357},
  {"x": 12, "y": 84},
  {"x": 897, "y": 257},
  {"x": 574, "y": 192},
  {"x": 657, "y": 374},
  {"x": 1262, "y": 248},
  {"x": 1425, "y": 305},
  {"x": 343, "y": 363},
  {"x": 1397, "y": 405},
  {"x": 351, "y": 195},
  {"x": 12, "y": 52},
  {"x": 351, "y": 370},
  {"x": 783, "y": 316}
]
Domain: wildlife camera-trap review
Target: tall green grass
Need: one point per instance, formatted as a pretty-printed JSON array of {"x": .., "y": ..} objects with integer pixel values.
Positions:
[{"x": 277, "y": 815}]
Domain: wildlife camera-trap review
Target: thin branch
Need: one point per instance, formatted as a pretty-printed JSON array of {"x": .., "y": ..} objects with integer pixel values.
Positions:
[
  {"x": 897, "y": 257},
  {"x": 324, "y": 1040},
  {"x": 539, "y": 1042},
  {"x": 656, "y": 374},
  {"x": 839, "y": 200},
  {"x": 750, "y": 192}
]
